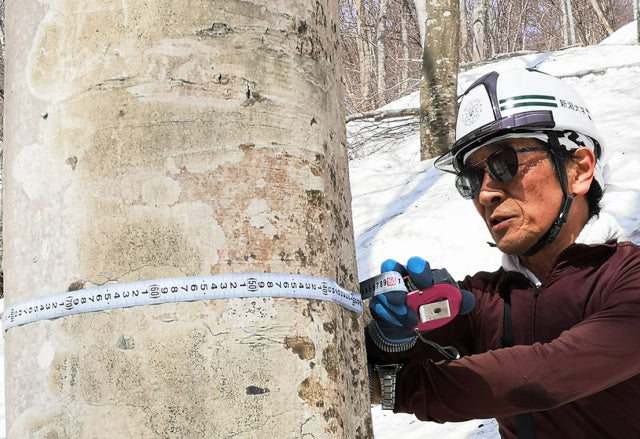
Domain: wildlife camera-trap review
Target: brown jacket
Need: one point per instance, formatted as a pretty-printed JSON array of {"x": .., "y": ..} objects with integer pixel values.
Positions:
[{"x": 576, "y": 362}]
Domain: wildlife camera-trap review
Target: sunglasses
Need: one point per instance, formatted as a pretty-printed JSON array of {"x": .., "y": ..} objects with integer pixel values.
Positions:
[{"x": 501, "y": 166}]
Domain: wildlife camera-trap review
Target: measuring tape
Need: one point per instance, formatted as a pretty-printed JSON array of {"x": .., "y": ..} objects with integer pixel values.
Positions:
[
  {"x": 382, "y": 283},
  {"x": 183, "y": 289}
]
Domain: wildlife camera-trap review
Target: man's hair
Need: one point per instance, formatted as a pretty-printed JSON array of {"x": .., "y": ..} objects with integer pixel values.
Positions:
[
  {"x": 595, "y": 193},
  {"x": 594, "y": 196}
]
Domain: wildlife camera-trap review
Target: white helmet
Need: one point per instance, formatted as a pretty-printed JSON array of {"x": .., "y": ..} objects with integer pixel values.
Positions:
[
  {"x": 517, "y": 101},
  {"x": 525, "y": 103}
]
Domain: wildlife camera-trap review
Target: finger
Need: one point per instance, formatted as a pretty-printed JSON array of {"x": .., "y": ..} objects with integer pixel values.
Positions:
[
  {"x": 393, "y": 265},
  {"x": 394, "y": 301},
  {"x": 420, "y": 272},
  {"x": 411, "y": 319},
  {"x": 400, "y": 316},
  {"x": 396, "y": 298},
  {"x": 381, "y": 310}
]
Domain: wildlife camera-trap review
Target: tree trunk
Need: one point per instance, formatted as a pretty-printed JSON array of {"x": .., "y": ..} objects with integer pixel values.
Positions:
[
  {"x": 364, "y": 53},
  {"x": 479, "y": 26},
  {"x": 603, "y": 20},
  {"x": 439, "y": 78},
  {"x": 636, "y": 15},
  {"x": 571, "y": 26},
  {"x": 167, "y": 139},
  {"x": 523, "y": 25},
  {"x": 568, "y": 24},
  {"x": 404, "y": 41},
  {"x": 463, "y": 33},
  {"x": 382, "y": 56},
  {"x": 421, "y": 18}
]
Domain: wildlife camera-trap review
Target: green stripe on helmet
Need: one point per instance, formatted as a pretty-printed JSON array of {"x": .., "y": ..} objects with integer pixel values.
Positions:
[
  {"x": 534, "y": 100},
  {"x": 528, "y": 104},
  {"x": 522, "y": 97}
]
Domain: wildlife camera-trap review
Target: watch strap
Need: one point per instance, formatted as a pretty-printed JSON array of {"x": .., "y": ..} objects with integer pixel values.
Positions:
[{"x": 387, "y": 374}]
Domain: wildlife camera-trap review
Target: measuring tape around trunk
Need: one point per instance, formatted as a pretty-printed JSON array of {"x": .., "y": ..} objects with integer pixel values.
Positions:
[{"x": 183, "y": 289}]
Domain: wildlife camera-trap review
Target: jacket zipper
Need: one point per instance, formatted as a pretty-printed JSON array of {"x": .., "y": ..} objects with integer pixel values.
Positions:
[{"x": 536, "y": 293}]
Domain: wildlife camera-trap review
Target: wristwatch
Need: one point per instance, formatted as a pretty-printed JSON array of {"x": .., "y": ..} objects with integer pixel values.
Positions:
[{"x": 387, "y": 374}]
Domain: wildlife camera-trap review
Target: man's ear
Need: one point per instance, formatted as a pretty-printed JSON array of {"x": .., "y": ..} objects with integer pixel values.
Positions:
[{"x": 580, "y": 171}]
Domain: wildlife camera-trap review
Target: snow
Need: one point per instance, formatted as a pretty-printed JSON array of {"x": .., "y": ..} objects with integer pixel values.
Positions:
[{"x": 403, "y": 207}]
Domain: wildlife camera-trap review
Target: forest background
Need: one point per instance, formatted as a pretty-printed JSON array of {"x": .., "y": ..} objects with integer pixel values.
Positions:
[{"x": 383, "y": 39}]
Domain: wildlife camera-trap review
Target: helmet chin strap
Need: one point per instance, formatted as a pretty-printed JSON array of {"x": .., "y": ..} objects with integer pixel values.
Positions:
[{"x": 565, "y": 206}]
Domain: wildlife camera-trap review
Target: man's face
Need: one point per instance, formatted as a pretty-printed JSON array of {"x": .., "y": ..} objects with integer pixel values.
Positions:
[{"x": 518, "y": 212}]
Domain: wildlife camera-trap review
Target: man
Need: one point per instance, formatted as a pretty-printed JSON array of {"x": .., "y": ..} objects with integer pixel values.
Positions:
[{"x": 551, "y": 347}]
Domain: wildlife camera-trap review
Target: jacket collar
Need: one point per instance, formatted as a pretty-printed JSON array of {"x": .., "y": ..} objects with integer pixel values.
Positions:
[{"x": 600, "y": 229}]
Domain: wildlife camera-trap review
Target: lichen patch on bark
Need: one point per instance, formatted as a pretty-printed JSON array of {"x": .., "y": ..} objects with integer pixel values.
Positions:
[{"x": 301, "y": 346}]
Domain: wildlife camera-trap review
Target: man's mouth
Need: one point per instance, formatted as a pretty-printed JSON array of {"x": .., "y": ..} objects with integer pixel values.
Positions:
[{"x": 495, "y": 220}]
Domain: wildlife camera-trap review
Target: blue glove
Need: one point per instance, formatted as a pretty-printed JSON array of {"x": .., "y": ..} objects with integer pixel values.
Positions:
[{"x": 394, "y": 319}]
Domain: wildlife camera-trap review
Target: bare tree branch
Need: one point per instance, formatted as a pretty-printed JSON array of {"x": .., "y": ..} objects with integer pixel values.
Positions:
[{"x": 378, "y": 115}]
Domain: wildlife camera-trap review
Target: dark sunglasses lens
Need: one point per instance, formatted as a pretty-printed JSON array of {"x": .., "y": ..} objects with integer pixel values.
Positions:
[
  {"x": 503, "y": 165},
  {"x": 469, "y": 182}
]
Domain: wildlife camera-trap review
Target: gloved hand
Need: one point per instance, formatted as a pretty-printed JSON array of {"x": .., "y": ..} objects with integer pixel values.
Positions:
[{"x": 394, "y": 319}]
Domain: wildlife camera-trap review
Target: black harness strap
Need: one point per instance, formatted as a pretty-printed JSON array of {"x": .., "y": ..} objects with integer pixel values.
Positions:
[
  {"x": 524, "y": 424},
  {"x": 565, "y": 206}
]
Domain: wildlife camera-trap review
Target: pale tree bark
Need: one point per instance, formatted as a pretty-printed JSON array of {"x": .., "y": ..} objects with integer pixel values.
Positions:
[
  {"x": 463, "y": 25},
  {"x": 491, "y": 37},
  {"x": 572, "y": 24},
  {"x": 479, "y": 29},
  {"x": 506, "y": 29},
  {"x": 636, "y": 14},
  {"x": 603, "y": 20},
  {"x": 404, "y": 41},
  {"x": 523, "y": 25},
  {"x": 421, "y": 18},
  {"x": 381, "y": 52},
  {"x": 439, "y": 78},
  {"x": 568, "y": 23},
  {"x": 364, "y": 51},
  {"x": 165, "y": 139}
]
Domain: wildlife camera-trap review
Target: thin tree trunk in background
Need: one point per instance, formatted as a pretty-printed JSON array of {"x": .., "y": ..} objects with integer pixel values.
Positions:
[
  {"x": 382, "y": 55},
  {"x": 571, "y": 26},
  {"x": 478, "y": 28},
  {"x": 463, "y": 25},
  {"x": 508, "y": 30},
  {"x": 171, "y": 139},
  {"x": 603, "y": 20},
  {"x": 404, "y": 39},
  {"x": 364, "y": 52},
  {"x": 421, "y": 18},
  {"x": 565, "y": 22},
  {"x": 523, "y": 27},
  {"x": 568, "y": 22},
  {"x": 636, "y": 15},
  {"x": 439, "y": 78}
]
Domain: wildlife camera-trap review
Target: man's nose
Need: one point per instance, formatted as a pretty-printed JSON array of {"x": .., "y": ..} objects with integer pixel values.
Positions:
[{"x": 490, "y": 191}]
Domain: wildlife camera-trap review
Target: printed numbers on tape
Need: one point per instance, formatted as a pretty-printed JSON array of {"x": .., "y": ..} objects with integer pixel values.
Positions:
[{"x": 185, "y": 289}]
